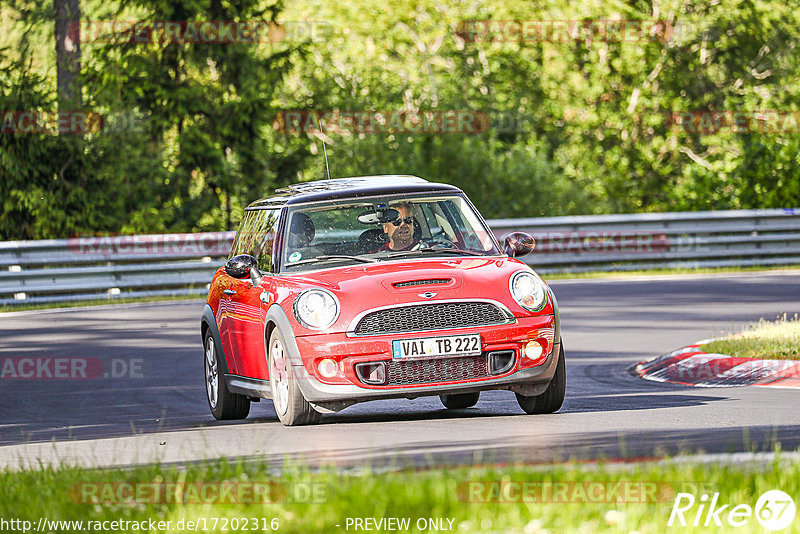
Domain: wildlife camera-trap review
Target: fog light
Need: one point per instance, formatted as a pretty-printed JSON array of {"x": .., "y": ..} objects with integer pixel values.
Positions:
[
  {"x": 500, "y": 361},
  {"x": 533, "y": 350},
  {"x": 327, "y": 368},
  {"x": 371, "y": 372}
]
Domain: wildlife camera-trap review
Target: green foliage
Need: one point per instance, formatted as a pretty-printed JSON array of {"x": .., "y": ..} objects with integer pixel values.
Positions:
[
  {"x": 585, "y": 124},
  {"x": 592, "y": 131},
  {"x": 41, "y": 191},
  {"x": 208, "y": 112}
]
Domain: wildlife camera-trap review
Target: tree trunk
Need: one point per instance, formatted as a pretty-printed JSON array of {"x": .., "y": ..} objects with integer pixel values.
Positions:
[
  {"x": 228, "y": 225},
  {"x": 68, "y": 53}
]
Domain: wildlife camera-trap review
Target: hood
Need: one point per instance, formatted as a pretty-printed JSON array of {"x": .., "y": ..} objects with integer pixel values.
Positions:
[{"x": 366, "y": 286}]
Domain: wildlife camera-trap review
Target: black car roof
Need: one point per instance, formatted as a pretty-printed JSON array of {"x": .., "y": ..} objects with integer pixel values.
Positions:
[{"x": 353, "y": 187}]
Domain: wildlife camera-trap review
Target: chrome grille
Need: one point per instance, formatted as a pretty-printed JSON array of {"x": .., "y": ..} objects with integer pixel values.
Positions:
[
  {"x": 430, "y": 317},
  {"x": 406, "y": 372},
  {"x": 432, "y": 281}
]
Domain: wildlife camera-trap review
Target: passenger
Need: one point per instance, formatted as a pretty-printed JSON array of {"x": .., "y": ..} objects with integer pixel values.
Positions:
[{"x": 301, "y": 234}]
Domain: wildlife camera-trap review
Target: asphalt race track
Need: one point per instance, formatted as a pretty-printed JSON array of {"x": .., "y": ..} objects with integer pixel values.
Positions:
[{"x": 158, "y": 411}]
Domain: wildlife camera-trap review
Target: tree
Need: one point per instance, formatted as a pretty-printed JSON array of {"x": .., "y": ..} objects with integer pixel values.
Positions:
[
  {"x": 208, "y": 109},
  {"x": 68, "y": 53}
]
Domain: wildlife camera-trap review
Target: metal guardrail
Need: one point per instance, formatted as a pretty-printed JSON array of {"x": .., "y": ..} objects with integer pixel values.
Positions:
[
  {"x": 660, "y": 240},
  {"x": 60, "y": 270},
  {"x": 182, "y": 264}
]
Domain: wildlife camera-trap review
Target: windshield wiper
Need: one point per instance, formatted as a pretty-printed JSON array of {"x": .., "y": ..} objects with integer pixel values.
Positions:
[
  {"x": 437, "y": 250},
  {"x": 330, "y": 257}
]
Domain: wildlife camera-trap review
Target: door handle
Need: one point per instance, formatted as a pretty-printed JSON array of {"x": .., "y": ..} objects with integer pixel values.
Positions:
[{"x": 229, "y": 291}]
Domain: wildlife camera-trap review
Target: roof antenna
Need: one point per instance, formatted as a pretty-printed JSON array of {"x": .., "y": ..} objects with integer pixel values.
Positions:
[{"x": 324, "y": 151}]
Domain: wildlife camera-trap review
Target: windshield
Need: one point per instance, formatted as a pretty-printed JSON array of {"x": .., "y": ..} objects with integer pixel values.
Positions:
[{"x": 384, "y": 229}]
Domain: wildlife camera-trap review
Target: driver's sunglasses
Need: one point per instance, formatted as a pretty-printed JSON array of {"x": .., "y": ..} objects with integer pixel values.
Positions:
[{"x": 399, "y": 221}]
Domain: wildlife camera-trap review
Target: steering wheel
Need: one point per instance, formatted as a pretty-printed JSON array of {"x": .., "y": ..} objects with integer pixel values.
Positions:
[{"x": 434, "y": 241}]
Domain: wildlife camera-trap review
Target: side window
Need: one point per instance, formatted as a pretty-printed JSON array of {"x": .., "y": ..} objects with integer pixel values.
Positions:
[
  {"x": 263, "y": 233},
  {"x": 256, "y": 236},
  {"x": 242, "y": 243}
]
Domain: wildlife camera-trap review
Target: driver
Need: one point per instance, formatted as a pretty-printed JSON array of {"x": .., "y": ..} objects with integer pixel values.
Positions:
[{"x": 400, "y": 230}]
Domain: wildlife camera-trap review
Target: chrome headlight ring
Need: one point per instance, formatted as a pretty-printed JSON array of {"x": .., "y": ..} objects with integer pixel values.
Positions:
[
  {"x": 528, "y": 290},
  {"x": 316, "y": 308}
]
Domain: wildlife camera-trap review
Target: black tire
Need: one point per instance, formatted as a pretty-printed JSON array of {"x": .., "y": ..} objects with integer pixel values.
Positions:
[
  {"x": 460, "y": 401},
  {"x": 297, "y": 411},
  {"x": 226, "y": 405},
  {"x": 552, "y": 398}
]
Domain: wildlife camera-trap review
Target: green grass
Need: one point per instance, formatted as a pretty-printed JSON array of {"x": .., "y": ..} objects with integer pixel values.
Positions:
[
  {"x": 772, "y": 340},
  {"x": 65, "y": 494}
]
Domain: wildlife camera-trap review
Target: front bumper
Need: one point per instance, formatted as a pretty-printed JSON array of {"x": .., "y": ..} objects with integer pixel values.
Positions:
[
  {"x": 334, "y": 397},
  {"x": 303, "y": 351}
]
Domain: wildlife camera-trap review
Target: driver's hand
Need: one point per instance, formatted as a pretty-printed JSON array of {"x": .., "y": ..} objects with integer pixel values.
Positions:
[{"x": 444, "y": 242}]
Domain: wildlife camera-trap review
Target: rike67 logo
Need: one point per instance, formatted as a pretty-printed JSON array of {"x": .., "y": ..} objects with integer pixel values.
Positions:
[{"x": 774, "y": 511}]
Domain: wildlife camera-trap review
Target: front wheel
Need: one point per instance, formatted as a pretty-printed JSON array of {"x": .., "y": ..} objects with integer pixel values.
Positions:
[
  {"x": 223, "y": 403},
  {"x": 553, "y": 397},
  {"x": 460, "y": 400},
  {"x": 290, "y": 405}
]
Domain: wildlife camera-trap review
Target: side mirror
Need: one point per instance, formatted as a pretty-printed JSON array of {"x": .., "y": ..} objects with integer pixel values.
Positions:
[
  {"x": 519, "y": 244},
  {"x": 243, "y": 266}
]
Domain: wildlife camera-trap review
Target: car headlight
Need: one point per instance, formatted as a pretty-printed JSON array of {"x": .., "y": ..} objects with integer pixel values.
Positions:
[
  {"x": 316, "y": 308},
  {"x": 528, "y": 290}
]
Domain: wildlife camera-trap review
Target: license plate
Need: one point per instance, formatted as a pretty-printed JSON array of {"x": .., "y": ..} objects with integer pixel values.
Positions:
[{"x": 431, "y": 347}]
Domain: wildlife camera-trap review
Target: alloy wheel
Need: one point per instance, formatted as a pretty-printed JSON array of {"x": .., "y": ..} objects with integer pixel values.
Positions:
[
  {"x": 279, "y": 376},
  {"x": 212, "y": 375}
]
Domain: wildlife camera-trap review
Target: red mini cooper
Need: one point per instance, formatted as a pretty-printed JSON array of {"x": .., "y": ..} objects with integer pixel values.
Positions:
[{"x": 349, "y": 290}]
